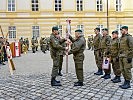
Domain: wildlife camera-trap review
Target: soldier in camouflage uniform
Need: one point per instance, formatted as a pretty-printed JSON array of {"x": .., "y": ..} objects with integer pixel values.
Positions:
[
  {"x": 62, "y": 53},
  {"x": 114, "y": 49},
  {"x": 27, "y": 43},
  {"x": 21, "y": 43},
  {"x": 125, "y": 56},
  {"x": 33, "y": 45},
  {"x": 36, "y": 44},
  {"x": 44, "y": 45},
  {"x": 77, "y": 49},
  {"x": 55, "y": 48},
  {"x": 105, "y": 45},
  {"x": 97, "y": 53},
  {"x": 41, "y": 42},
  {"x": 1, "y": 51},
  {"x": 89, "y": 43}
]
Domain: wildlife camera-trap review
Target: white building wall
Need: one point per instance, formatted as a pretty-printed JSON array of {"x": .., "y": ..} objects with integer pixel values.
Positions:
[
  {"x": 46, "y": 4},
  {"x": 23, "y": 4},
  {"x": 69, "y": 5},
  {"x": 90, "y": 5},
  {"x": 3, "y": 5}
]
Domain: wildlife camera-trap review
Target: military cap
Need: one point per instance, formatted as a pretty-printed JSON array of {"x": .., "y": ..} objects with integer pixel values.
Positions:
[
  {"x": 54, "y": 28},
  {"x": 97, "y": 28},
  {"x": 104, "y": 29},
  {"x": 78, "y": 30},
  {"x": 124, "y": 27},
  {"x": 115, "y": 32}
]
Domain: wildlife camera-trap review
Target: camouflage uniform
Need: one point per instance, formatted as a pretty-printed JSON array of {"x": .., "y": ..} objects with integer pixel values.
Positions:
[
  {"x": 126, "y": 55},
  {"x": 96, "y": 41},
  {"x": 21, "y": 43},
  {"x": 114, "y": 50},
  {"x": 105, "y": 45},
  {"x": 55, "y": 48},
  {"x": 77, "y": 50},
  {"x": 33, "y": 45}
]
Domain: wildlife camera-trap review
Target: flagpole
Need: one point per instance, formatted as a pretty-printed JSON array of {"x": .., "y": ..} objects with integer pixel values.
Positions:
[{"x": 68, "y": 29}]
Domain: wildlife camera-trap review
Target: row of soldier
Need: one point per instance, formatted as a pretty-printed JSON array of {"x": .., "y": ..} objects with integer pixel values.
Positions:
[
  {"x": 119, "y": 50},
  {"x": 44, "y": 44},
  {"x": 24, "y": 43}
]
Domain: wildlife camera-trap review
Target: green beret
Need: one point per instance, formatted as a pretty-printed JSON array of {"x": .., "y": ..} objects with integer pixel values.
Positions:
[
  {"x": 115, "y": 32},
  {"x": 104, "y": 29},
  {"x": 54, "y": 28},
  {"x": 124, "y": 27},
  {"x": 78, "y": 30},
  {"x": 97, "y": 28}
]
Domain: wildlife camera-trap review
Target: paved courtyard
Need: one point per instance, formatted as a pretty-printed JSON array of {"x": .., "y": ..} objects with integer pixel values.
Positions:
[{"x": 31, "y": 81}]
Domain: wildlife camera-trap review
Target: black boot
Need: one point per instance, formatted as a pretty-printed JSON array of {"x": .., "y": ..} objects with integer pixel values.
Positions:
[
  {"x": 78, "y": 83},
  {"x": 107, "y": 76},
  {"x": 126, "y": 85},
  {"x": 103, "y": 76},
  {"x": 55, "y": 83},
  {"x": 60, "y": 74},
  {"x": 99, "y": 72},
  {"x": 113, "y": 78},
  {"x": 117, "y": 79}
]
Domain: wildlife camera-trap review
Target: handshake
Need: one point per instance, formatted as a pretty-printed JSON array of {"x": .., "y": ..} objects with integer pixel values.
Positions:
[{"x": 68, "y": 42}]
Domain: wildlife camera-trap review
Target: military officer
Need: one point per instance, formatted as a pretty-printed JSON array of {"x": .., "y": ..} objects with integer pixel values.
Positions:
[
  {"x": 96, "y": 42},
  {"x": 125, "y": 56},
  {"x": 105, "y": 45},
  {"x": 62, "y": 53},
  {"x": 114, "y": 49},
  {"x": 55, "y": 48},
  {"x": 77, "y": 49}
]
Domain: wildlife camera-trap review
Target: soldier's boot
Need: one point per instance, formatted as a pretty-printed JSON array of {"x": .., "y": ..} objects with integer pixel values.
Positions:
[
  {"x": 126, "y": 85},
  {"x": 107, "y": 76},
  {"x": 103, "y": 76},
  {"x": 60, "y": 74},
  {"x": 78, "y": 83},
  {"x": 114, "y": 78},
  {"x": 54, "y": 82},
  {"x": 99, "y": 72},
  {"x": 117, "y": 79},
  {"x": 122, "y": 84}
]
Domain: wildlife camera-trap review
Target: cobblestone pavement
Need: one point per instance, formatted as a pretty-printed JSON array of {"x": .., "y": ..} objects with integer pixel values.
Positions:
[{"x": 31, "y": 81}]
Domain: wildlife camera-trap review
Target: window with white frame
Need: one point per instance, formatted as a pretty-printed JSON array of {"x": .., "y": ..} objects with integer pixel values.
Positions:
[
  {"x": 58, "y": 6},
  {"x": 35, "y": 31},
  {"x": 118, "y": 5},
  {"x": 35, "y": 5},
  {"x": 101, "y": 27},
  {"x": 60, "y": 29},
  {"x": 12, "y": 32},
  {"x": 81, "y": 27},
  {"x": 79, "y": 5},
  {"x": 11, "y": 5},
  {"x": 99, "y": 5},
  {"x": 118, "y": 28}
]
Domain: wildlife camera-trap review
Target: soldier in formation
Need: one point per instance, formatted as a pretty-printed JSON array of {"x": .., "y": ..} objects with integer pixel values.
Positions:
[
  {"x": 125, "y": 56},
  {"x": 105, "y": 49},
  {"x": 90, "y": 42},
  {"x": 97, "y": 52},
  {"x": 33, "y": 45},
  {"x": 120, "y": 52},
  {"x": 114, "y": 51}
]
